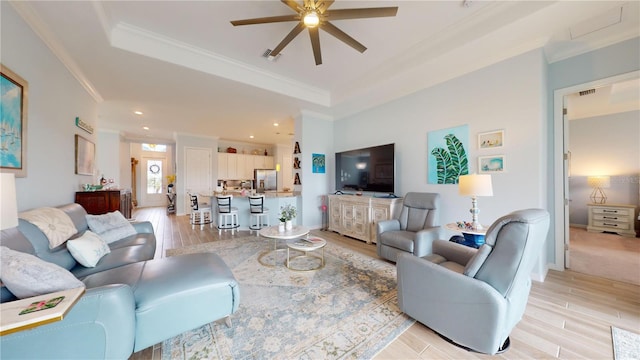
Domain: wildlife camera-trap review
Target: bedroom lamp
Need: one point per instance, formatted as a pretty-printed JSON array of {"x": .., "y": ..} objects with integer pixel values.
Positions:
[
  {"x": 9, "y": 206},
  {"x": 598, "y": 183},
  {"x": 475, "y": 185}
]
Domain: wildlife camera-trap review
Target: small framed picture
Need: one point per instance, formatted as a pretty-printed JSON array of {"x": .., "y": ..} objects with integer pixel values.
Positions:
[
  {"x": 491, "y": 164},
  {"x": 85, "y": 156},
  {"x": 491, "y": 139}
]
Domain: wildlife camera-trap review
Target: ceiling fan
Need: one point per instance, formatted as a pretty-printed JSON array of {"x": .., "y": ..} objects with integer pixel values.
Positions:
[{"x": 314, "y": 15}]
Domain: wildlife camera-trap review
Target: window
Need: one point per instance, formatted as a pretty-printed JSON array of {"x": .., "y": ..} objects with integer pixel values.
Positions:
[
  {"x": 154, "y": 147},
  {"x": 154, "y": 176}
]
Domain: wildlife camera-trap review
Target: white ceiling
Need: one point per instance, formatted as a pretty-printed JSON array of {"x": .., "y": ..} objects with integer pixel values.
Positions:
[{"x": 190, "y": 71}]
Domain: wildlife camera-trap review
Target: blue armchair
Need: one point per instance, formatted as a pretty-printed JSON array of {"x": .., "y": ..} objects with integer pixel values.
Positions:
[
  {"x": 475, "y": 297},
  {"x": 414, "y": 231}
]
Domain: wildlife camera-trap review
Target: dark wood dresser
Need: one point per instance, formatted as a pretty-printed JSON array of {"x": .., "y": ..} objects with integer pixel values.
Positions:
[{"x": 104, "y": 201}]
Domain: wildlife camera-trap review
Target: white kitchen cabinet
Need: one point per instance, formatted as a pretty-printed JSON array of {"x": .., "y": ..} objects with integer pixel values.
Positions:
[
  {"x": 223, "y": 161},
  {"x": 268, "y": 162},
  {"x": 240, "y": 166},
  {"x": 259, "y": 162},
  {"x": 248, "y": 166},
  {"x": 232, "y": 167}
]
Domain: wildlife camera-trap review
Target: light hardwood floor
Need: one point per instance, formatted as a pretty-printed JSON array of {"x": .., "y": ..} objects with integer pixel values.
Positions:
[{"x": 568, "y": 316}]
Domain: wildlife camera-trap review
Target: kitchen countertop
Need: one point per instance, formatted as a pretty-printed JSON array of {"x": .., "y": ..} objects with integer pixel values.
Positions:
[{"x": 267, "y": 194}]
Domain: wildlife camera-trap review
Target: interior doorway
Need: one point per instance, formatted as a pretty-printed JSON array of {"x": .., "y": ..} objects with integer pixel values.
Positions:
[{"x": 563, "y": 165}]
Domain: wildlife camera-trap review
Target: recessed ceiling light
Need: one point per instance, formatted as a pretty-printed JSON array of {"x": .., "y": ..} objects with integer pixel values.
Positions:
[
  {"x": 250, "y": 136},
  {"x": 275, "y": 124},
  {"x": 145, "y": 127},
  {"x": 138, "y": 112}
]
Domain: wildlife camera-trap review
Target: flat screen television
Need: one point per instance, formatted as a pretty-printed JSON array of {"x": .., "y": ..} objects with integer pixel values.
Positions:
[{"x": 367, "y": 169}]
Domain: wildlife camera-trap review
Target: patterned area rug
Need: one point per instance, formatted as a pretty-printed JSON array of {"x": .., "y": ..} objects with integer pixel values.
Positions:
[
  {"x": 626, "y": 345},
  {"x": 348, "y": 309}
]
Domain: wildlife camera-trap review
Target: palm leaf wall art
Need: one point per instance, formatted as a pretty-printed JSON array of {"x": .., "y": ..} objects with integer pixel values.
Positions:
[{"x": 447, "y": 148}]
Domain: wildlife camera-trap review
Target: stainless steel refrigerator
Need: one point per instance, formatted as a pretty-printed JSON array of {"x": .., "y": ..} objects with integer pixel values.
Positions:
[{"x": 265, "y": 180}]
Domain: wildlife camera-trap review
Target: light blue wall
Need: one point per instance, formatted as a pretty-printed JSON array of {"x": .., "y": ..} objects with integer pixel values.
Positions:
[
  {"x": 55, "y": 100},
  {"x": 612, "y": 60},
  {"x": 620, "y": 58},
  {"x": 505, "y": 96},
  {"x": 313, "y": 133},
  {"x": 515, "y": 95},
  {"x": 604, "y": 145}
]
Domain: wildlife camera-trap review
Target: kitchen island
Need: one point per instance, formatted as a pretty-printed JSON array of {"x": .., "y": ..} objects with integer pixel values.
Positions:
[{"x": 273, "y": 200}]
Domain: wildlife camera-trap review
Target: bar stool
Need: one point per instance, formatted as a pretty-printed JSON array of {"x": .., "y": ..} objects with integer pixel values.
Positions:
[
  {"x": 201, "y": 213},
  {"x": 258, "y": 214},
  {"x": 227, "y": 215}
]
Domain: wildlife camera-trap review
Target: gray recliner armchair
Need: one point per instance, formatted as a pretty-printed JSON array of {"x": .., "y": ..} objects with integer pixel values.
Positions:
[
  {"x": 414, "y": 231},
  {"x": 475, "y": 297}
]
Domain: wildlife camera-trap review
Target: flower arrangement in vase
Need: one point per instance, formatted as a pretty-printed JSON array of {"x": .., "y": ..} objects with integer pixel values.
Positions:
[{"x": 287, "y": 213}]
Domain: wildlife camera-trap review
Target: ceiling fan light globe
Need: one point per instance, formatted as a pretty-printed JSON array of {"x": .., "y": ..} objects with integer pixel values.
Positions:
[{"x": 311, "y": 19}]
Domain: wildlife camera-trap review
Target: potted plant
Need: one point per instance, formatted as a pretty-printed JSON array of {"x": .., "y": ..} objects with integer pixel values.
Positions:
[{"x": 287, "y": 213}]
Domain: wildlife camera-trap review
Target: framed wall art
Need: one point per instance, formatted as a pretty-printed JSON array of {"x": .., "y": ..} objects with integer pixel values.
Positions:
[
  {"x": 85, "y": 156},
  {"x": 491, "y": 164},
  {"x": 491, "y": 139},
  {"x": 447, "y": 158},
  {"x": 13, "y": 123},
  {"x": 318, "y": 163}
]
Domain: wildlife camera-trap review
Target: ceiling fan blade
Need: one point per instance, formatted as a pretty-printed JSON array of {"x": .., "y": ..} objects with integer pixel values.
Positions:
[
  {"x": 293, "y": 5},
  {"x": 315, "y": 44},
  {"x": 323, "y": 5},
  {"x": 265, "y": 20},
  {"x": 287, "y": 39},
  {"x": 360, "y": 13},
  {"x": 342, "y": 36}
]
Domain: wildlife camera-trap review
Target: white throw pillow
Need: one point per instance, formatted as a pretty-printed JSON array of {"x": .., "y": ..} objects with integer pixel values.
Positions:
[
  {"x": 111, "y": 227},
  {"x": 26, "y": 275},
  {"x": 53, "y": 222},
  {"x": 88, "y": 249}
]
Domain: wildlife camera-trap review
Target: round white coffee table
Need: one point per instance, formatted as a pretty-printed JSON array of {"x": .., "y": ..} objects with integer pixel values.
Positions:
[
  {"x": 272, "y": 232},
  {"x": 306, "y": 245}
]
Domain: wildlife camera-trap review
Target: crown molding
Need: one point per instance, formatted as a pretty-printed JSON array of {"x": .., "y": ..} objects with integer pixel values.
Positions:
[
  {"x": 24, "y": 9},
  {"x": 140, "y": 41}
]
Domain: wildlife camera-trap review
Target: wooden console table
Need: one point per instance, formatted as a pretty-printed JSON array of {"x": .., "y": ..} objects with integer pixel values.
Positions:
[
  {"x": 104, "y": 201},
  {"x": 357, "y": 216}
]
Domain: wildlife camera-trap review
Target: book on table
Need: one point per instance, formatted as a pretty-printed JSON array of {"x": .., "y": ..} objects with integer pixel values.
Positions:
[
  {"x": 308, "y": 242},
  {"x": 38, "y": 310}
]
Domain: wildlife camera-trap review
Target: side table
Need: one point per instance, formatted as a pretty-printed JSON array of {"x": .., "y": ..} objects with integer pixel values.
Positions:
[
  {"x": 472, "y": 238},
  {"x": 306, "y": 245},
  {"x": 272, "y": 232}
]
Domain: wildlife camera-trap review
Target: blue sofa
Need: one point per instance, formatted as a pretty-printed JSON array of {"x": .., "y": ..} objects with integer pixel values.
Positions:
[{"x": 132, "y": 301}]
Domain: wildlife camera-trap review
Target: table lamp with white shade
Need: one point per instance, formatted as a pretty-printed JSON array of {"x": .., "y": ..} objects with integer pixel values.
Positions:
[
  {"x": 475, "y": 185},
  {"x": 8, "y": 204},
  {"x": 598, "y": 183}
]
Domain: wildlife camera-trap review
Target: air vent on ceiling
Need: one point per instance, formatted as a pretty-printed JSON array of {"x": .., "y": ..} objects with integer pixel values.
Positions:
[
  {"x": 587, "y": 92},
  {"x": 267, "y": 55}
]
